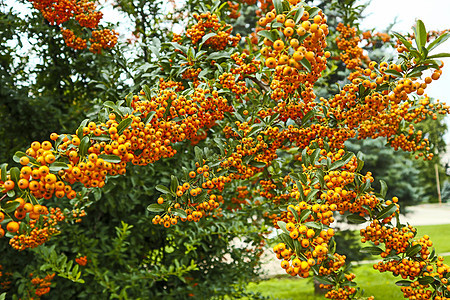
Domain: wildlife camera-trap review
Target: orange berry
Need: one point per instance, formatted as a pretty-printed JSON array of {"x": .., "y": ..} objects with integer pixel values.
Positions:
[
  {"x": 278, "y": 45},
  {"x": 12, "y": 226},
  {"x": 9, "y": 185},
  {"x": 24, "y": 160},
  {"x": 281, "y": 18},
  {"x": 271, "y": 62}
]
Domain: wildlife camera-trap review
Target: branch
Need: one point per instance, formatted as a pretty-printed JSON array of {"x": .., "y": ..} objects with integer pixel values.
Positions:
[{"x": 261, "y": 85}]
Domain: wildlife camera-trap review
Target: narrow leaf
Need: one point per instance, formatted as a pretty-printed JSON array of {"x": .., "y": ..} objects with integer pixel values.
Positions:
[{"x": 123, "y": 125}]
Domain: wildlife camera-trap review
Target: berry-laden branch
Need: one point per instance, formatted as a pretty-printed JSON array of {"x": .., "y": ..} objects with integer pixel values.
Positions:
[
  {"x": 261, "y": 107},
  {"x": 85, "y": 15}
]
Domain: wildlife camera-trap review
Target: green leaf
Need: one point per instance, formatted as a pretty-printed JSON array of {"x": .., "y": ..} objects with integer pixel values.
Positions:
[
  {"x": 257, "y": 164},
  {"x": 282, "y": 226},
  {"x": 403, "y": 283},
  {"x": 365, "y": 186},
  {"x": 84, "y": 146},
  {"x": 287, "y": 240},
  {"x": 275, "y": 34},
  {"x": 294, "y": 212},
  {"x": 129, "y": 98},
  {"x": 206, "y": 37},
  {"x": 80, "y": 128},
  {"x": 356, "y": 219},
  {"x": 124, "y": 125},
  {"x": 403, "y": 40},
  {"x": 387, "y": 211},
  {"x": 303, "y": 37},
  {"x": 15, "y": 174},
  {"x": 383, "y": 190},
  {"x": 147, "y": 92},
  {"x": 316, "y": 225},
  {"x": 155, "y": 207},
  {"x": 177, "y": 46},
  {"x": 174, "y": 184},
  {"x": 10, "y": 207},
  {"x": 347, "y": 157},
  {"x": 393, "y": 73},
  {"x": 75, "y": 271},
  {"x": 306, "y": 64},
  {"x": 56, "y": 166},
  {"x": 304, "y": 215},
  {"x": 198, "y": 154},
  {"x": 218, "y": 55},
  {"x": 162, "y": 189},
  {"x": 314, "y": 156},
  {"x": 372, "y": 250},
  {"x": 421, "y": 34},
  {"x": 439, "y": 55},
  {"x": 425, "y": 280},
  {"x": 311, "y": 195},
  {"x": 149, "y": 117},
  {"x": 308, "y": 116},
  {"x": 110, "y": 158},
  {"x": 101, "y": 138},
  {"x": 413, "y": 250},
  {"x": 4, "y": 170},
  {"x": 313, "y": 12},
  {"x": 179, "y": 212},
  {"x": 299, "y": 14},
  {"x": 337, "y": 164},
  {"x": 214, "y": 7},
  {"x": 278, "y": 6},
  {"x": 441, "y": 39},
  {"x": 360, "y": 163},
  {"x": 114, "y": 107}
]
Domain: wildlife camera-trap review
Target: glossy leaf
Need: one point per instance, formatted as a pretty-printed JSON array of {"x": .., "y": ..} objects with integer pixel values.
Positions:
[
  {"x": 420, "y": 34},
  {"x": 386, "y": 212},
  {"x": 278, "y": 6},
  {"x": 123, "y": 125},
  {"x": 356, "y": 219},
  {"x": 110, "y": 158}
]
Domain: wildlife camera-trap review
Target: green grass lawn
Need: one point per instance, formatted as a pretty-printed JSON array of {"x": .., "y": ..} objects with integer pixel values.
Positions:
[
  {"x": 438, "y": 234},
  {"x": 380, "y": 285}
]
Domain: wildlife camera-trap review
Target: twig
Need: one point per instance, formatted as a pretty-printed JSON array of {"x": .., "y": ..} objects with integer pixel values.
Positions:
[{"x": 263, "y": 86}]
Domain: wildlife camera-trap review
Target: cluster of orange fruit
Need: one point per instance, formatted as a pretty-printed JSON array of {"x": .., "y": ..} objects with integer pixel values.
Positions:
[
  {"x": 82, "y": 260},
  {"x": 41, "y": 286},
  {"x": 103, "y": 39},
  {"x": 234, "y": 10},
  {"x": 348, "y": 42},
  {"x": 379, "y": 112},
  {"x": 416, "y": 290},
  {"x": 334, "y": 194},
  {"x": 372, "y": 38},
  {"x": 235, "y": 79},
  {"x": 398, "y": 241},
  {"x": 38, "y": 232},
  {"x": 295, "y": 52},
  {"x": 89, "y": 158},
  {"x": 86, "y": 14},
  {"x": 209, "y": 23},
  {"x": 5, "y": 279}
]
